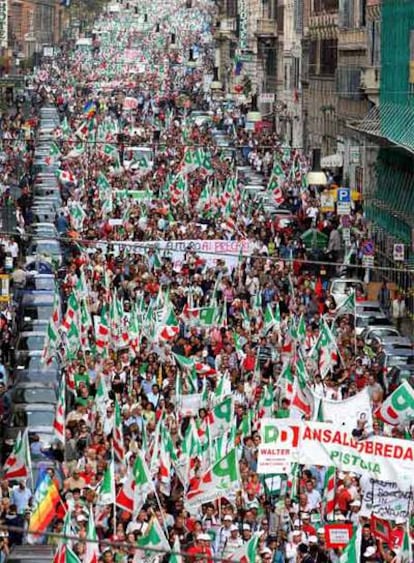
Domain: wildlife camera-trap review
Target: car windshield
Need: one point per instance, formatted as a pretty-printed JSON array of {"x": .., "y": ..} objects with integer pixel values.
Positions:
[
  {"x": 32, "y": 419},
  {"x": 40, "y": 313},
  {"x": 45, "y": 248},
  {"x": 40, "y": 283},
  {"x": 400, "y": 360},
  {"x": 384, "y": 332},
  {"x": 31, "y": 343},
  {"x": 32, "y": 395}
]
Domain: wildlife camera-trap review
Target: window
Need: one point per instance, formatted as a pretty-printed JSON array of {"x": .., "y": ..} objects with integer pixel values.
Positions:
[
  {"x": 313, "y": 56},
  {"x": 295, "y": 72},
  {"x": 280, "y": 18},
  {"x": 327, "y": 6},
  {"x": 271, "y": 62},
  {"x": 374, "y": 43},
  {"x": 328, "y": 57},
  {"x": 298, "y": 16},
  {"x": 348, "y": 83},
  {"x": 232, "y": 8}
]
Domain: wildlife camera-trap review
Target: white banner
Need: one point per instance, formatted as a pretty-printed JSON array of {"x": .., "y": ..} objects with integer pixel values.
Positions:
[
  {"x": 208, "y": 250},
  {"x": 278, "y": 445},
  {"x": 385, "y": 500},
  {"x": 353, "y": 414},
  {"x": 318, "y": 443}
]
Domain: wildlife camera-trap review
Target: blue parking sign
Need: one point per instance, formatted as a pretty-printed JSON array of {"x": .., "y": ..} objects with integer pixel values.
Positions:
[{"x": 344, "y": 195}]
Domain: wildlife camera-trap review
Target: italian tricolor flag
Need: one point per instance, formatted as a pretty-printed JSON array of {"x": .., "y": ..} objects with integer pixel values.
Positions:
[{"x": 17, "y": 465}]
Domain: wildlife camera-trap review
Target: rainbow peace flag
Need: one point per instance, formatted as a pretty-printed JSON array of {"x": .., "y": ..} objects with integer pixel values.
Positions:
[{"x": 45, "y": 500}]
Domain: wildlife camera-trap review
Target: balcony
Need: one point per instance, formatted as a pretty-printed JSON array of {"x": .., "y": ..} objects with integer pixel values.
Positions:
[
  {"x": 370, "y": 80},
  {"x": 352, "y": 40},
  {"x": 226, "y": 29},
  {"x": 266, "y": 27}
]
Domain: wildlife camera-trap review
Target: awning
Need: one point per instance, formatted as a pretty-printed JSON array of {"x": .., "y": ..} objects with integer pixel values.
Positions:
[
  {"x": 393, "y": 122},
  {"x": 332, "y": 161}
]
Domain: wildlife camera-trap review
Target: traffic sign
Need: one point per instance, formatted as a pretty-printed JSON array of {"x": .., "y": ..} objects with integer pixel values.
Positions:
[
  {"x": 368, "y": 248},
  {"x": 343, "y": 208},
  {"x": 344, "y": 195},
  {"x": 399, "y": 252}
]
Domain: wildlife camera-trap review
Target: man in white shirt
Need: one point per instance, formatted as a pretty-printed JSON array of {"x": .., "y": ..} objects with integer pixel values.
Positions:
[{"x": 314, "y": 497}]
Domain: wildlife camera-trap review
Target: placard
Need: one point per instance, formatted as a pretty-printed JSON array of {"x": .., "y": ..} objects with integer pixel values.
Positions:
[
  {"x": 337, "y": 535},
  {"x": 385, "y": 500}
]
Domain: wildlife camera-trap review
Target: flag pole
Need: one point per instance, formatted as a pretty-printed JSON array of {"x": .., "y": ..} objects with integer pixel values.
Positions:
[{"x": 114, "y": 507}]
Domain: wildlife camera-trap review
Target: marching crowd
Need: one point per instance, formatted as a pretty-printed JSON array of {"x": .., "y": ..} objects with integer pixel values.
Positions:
[{"x": 172, "y": 353}]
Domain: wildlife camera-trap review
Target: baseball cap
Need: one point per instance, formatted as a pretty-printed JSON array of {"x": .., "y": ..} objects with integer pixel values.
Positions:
[
  {"x": 234, "y": 528},
  {"x": 228, "y": 518},
  {"x": 355, "y": 503}
]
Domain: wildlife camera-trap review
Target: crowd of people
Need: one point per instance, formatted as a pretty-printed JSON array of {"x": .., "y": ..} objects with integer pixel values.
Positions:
[{"x": 185, "y": 298}]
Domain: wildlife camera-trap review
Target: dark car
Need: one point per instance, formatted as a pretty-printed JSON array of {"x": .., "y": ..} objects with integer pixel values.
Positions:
[
  {"x": 32, "y": 393},
  {"x": 398, "y": 374}
]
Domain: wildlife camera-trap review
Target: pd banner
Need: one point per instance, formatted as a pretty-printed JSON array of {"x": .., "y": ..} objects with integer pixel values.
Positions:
[
  {"x": 278, "y": 446},
  {"x": 385, "y": 500},
  {"x": 318, "y": 443},
  {"x": 339, "y": 413},
  {"x": 398, "y": 408}
]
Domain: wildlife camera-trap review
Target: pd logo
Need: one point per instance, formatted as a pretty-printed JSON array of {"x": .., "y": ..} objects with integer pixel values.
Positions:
[{"x": 280, "y": 434}]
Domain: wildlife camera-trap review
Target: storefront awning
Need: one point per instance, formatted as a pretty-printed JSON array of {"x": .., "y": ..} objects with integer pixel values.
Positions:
[
  {"x": 393, "y": 122},
  {"x": 332, "y": 161}
]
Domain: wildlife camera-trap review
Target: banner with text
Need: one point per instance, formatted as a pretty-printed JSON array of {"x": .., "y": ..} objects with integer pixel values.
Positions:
[
  {"x": 385, "y": 500},
  {"x": 319, "y": 443}
]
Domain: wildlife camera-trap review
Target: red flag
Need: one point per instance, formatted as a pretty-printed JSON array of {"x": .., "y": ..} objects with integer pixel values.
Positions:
[
  {"x": 319, "y": 287},
  {"x": 381, "y": 529}
]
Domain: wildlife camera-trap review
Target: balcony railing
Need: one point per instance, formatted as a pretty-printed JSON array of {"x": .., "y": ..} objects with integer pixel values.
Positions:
[
  {"x": 351, "y": 39},
  {"x": 266, "y": 27}
]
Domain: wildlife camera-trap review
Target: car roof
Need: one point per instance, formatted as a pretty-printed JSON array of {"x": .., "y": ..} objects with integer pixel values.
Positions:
[
  {"x": 33, "y": 407},
  {"x": 27, "y": 333},
  {"x": 34, "y": 385}
]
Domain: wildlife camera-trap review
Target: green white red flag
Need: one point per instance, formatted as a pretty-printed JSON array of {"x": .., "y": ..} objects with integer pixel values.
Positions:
[
  {"x": 18, "y": 464},
  {"x": 221, "y": 480}
]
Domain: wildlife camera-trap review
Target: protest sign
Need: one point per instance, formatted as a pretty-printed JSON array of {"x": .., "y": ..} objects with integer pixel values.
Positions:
[
  {"x": 210, "y": 250},
  {"x": 349, "y": 414},
  {"x": 337, "y": 535},
  {"x": 190, "y": 404},
  {"x": 279, "y": 442},
  {"x": 398, "y": 408},
  {"x": 319, "y": 443},
  {"x": 382, "y": 458},
  {"x": 385, "y": 500}
]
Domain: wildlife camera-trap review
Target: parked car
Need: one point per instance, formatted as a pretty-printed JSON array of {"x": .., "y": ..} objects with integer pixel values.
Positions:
[
  {"x": 397, "y": 375},
  {"x": 31, "y": 554},
  {"x": 392, "y": 356},
  {"x": 369, "y": 320},
  {"x": 48, "y": 248},
  {"x": 379, "y": 332},
  {"x": 34, "y": 376},
  {"x": 37, "y": 418},
  {"x": 31, "y": 393},
  {"x": 340, "y": 288}
]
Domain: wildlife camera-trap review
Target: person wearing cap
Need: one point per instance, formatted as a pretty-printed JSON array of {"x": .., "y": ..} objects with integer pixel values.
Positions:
[
  {"x": 246, "y": 532},
  {"x": 233, "y": 542},
  {"x": 353, "y": 514},
  {"x": 266, "y": 554},
  {"x": 223, "y": 533},
  {"x": 370, "y": 554},
  {"x": 297, "y": 527},
  {"x": 306, "y": 525},
  {"x": 367, "y": 540},
  {"x": 292, "y": 545}
]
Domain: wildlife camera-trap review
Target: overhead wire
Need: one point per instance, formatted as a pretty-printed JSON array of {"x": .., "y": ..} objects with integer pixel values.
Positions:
[{"x": 145, "y": 246}]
